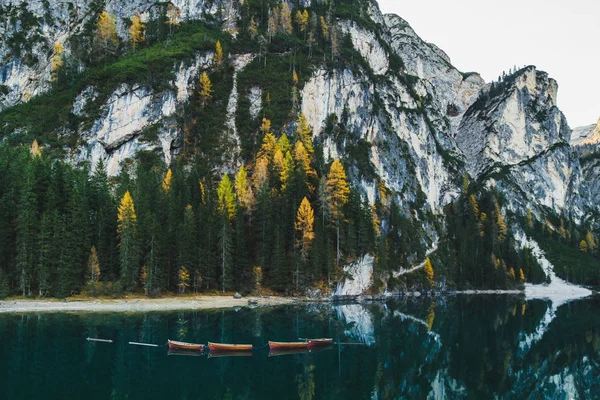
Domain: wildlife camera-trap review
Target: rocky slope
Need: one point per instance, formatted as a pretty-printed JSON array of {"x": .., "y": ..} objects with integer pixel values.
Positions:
[{"x": 426, "y": 123}]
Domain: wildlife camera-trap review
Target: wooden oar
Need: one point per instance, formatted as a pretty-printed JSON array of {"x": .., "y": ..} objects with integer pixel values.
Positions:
[
  {"x": 143, "y": 344},
  {"x": 99, "y": 340}
]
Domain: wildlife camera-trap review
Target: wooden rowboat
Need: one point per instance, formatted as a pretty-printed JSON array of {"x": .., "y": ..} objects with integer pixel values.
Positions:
[
  {"x": 288, "y": 345},
  {"x": 173, "y": 345},
  {"x": 229, "y": 347},
  {"x": 319, "y": 342}
]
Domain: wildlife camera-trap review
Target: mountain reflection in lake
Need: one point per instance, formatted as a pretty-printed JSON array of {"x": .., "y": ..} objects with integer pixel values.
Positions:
[{"x": 461, "y": 347}]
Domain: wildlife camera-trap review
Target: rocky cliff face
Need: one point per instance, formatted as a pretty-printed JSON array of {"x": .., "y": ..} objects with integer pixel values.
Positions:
[{"x": 427, "y": 123}]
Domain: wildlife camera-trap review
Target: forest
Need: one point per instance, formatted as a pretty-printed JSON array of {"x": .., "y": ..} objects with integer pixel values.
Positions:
[{"x": 284, "y": 219}]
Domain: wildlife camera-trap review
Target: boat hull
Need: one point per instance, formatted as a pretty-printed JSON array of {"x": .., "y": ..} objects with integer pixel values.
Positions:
[
  {"x": 287, "y": 345},
  {"x": 229, "y": 347},
  {"x": 174, "y": 345}
]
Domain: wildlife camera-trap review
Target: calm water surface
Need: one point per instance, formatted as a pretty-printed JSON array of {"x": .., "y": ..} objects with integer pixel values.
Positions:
[{"x": 463, "y": 347}]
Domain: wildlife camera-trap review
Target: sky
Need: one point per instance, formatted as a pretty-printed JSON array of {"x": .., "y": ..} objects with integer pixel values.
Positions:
[{"x": 561, "y": 37}]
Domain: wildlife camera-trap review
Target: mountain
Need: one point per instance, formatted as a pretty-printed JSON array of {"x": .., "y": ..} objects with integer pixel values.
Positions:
[{"x": 409, "y": 127}]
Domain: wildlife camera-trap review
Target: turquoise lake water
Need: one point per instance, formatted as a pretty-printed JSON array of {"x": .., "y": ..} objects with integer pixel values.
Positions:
[{"x": 462, "y": 347}]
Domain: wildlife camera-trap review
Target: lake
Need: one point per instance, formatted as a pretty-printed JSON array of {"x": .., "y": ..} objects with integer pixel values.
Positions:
[{"x": 460, "y": 347}]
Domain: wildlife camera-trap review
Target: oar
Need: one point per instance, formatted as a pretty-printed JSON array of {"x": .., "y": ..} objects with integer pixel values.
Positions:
[
  {"x": 143, "y": 344},
  {"x": 99, "y": 340}
]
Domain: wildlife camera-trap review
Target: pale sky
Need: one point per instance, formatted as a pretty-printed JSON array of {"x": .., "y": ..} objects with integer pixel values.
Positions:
[{"x": 561, "y": 37}]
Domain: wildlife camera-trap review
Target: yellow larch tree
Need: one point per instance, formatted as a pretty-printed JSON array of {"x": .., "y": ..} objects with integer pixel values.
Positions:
[
  {"x": 583, "y": 246},
  {"x": 265, "y": 126},
  {"x": 295, "y": 79},
  {"x": 529, "y": 218},
  {"x": 136, "y": 31},
  {"x": 305, "y": 220},
  {"x": 243, "y": 190},
  {"x": 521, "y": 276},
  {"x": 57, "y": 60},
  {"x": 284, "y": 144},
  {"x": 261, "y": 174},
  {"x": 218, "y": 57},
  {"x": 205, "y": 89},
  {"x": 304, "y": 224},
  {"x": 106, "y": 32},
  {"x": 183, "y": 279},
  {"x": 474, "y": 205},
  {"x": 167, "y": 181},
  {"x": 500, "y": 223},
  {"x": 511, "y": 273},
  {"x": 428, "y": 269},
  {"x": 285, "y": 18},
  {"x": 35, "y": 150},
  {"x": 252, "y": 28},
  {"x": 337, "y": 192},
  {"x": 126, "y": 228},
  {"x": 173, "y": 16},
  {"x": 591, "y": 241},
  {"x": 324, "y": 28},
  {"x": 305, "y": 134},
  {"x": 226, "y": 197}
]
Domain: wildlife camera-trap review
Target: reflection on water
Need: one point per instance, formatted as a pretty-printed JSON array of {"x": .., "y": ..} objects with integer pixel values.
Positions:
[{"x": 464, "y": 347}]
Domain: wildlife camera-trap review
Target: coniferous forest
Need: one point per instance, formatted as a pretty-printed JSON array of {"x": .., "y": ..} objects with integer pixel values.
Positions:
[{"x": 286, "y": 219}]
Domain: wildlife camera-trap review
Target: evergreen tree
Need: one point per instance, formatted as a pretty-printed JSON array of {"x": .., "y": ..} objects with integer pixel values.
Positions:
[{"x": 27, "y": 222}]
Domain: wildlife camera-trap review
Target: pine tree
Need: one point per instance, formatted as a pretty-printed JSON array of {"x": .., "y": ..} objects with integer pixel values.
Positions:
[
  {"x": 136, "y": 31},
  {"x": 127, "y": 224},
  {"x": 26, "y": 231},
  {"x": 205, "y": 89},
  {"x": 218, "y": 57}
]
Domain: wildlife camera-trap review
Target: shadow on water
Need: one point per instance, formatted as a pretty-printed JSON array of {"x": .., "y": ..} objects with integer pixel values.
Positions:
[{"x": 461, "y": 347}]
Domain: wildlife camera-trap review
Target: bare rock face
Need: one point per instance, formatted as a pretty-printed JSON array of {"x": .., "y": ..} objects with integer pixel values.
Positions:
[{"x": 422, "y": 123}]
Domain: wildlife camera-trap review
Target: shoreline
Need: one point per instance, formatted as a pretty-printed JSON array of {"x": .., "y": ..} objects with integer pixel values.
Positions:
[
  {"x": 215, "y": 302},
  {"x": 139, "y": 304}
]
